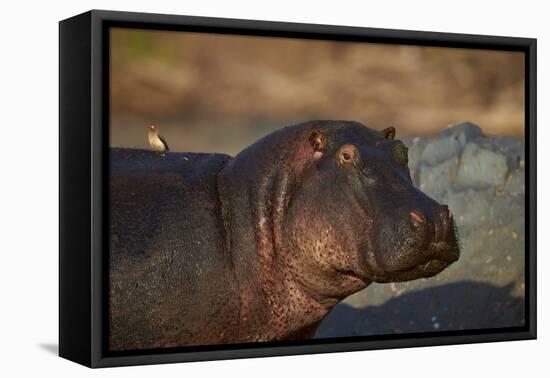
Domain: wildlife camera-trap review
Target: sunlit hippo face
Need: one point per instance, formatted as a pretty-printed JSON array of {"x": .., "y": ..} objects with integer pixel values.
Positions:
[{"x": 357, "y": 215}]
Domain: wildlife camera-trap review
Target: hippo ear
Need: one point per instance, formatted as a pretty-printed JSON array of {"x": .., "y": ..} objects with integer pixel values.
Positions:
[
  {"x": 318, "y": 143},
  {"x": 389, "y": 133}
]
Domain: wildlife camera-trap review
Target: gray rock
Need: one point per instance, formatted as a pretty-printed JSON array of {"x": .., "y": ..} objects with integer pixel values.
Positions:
[
  {"x": 430, "y": 309},
  {"x": 449, "y": 143},
  {"x": 435, "y": 181},
  {"x": 512, "y": 148},
  {"x": 441, "y": 149},
  {"x": 471, "y": 208},
  {"x": 463, "y": 132},
  {"x": 416, "y": 148},
  {"x": 515, "y": 183},
  {"x": 481, "y": 168}
]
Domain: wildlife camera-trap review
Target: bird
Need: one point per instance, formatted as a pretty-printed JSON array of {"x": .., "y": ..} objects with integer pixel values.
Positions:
[{"x": 157, "y": 142}]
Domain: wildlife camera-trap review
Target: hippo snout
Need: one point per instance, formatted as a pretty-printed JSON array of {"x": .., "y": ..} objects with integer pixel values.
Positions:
[
  {"x": 415, "y": 239},
  {"x": 436, "y": 226}
]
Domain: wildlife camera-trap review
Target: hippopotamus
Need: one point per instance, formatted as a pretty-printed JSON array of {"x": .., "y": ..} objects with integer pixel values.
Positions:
[{"x": 207, "y": 249}]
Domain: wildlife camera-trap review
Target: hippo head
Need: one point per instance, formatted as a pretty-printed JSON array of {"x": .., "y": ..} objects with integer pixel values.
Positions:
[
  {"x": 332, "y": 202},
  {"x": 357, "y": 211}
]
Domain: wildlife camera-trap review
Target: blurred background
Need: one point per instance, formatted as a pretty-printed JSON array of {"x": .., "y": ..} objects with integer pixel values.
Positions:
[
  {"x": 460, "y": 112},
  {"x": 219, "y": 93}
]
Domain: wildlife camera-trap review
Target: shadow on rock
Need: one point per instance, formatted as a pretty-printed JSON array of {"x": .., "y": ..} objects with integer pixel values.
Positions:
[{"x": 455, "y": 306}]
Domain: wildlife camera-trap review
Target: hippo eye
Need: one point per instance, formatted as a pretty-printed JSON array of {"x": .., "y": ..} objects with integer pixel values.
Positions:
[{"x": 347, "y": 153}]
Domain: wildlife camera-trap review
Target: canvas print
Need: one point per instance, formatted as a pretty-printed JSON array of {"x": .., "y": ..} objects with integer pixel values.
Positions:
[{"x": 266, "y": 189}]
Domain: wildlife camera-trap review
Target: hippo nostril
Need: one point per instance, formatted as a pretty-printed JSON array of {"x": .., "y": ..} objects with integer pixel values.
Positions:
[{"x": 417, "y": 217}]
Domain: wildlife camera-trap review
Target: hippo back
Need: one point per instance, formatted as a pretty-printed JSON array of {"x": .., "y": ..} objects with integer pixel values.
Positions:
[{"x": 166, "y": 246}]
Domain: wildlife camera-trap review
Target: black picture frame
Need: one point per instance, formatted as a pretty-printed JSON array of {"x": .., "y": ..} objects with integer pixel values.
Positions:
[{"x": 83, "y": 179}]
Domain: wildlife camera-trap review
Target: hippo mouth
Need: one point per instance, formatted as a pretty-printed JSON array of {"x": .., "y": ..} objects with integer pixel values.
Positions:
[
  {"x": 441, "y": 256},
  {"x": 419, "y": 245},
  {"x": 425, "y": 270},
  {"x": 428, "y": 269}
]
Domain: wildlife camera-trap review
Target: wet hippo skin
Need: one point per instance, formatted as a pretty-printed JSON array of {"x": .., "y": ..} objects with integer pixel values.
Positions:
[{"x": 208, "y": 249}]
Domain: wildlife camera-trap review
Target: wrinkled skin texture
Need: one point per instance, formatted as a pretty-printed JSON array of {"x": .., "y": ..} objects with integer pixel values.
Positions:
[{"x": 209, "y": 249}]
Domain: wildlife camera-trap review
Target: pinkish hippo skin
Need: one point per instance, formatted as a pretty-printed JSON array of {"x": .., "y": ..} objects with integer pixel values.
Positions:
[{"x": 209, "y": 249}]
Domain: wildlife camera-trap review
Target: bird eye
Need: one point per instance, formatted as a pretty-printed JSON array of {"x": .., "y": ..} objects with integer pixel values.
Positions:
[{"x": 346, "y": 156}]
